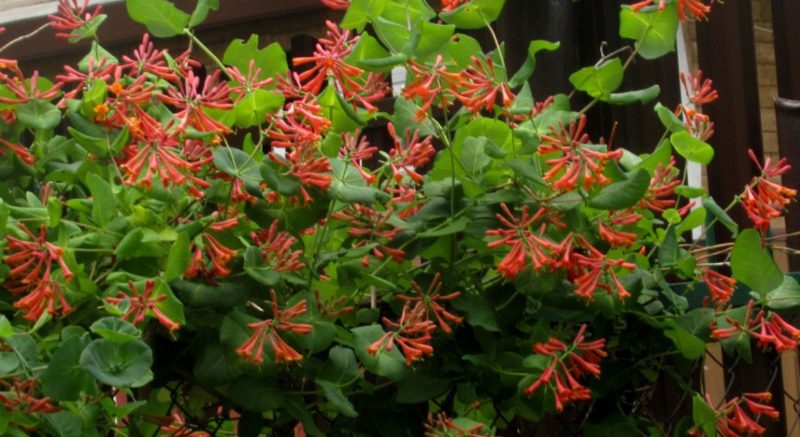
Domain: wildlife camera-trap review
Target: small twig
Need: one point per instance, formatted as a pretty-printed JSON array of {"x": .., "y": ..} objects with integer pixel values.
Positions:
[{"x": 24, "y": 37}]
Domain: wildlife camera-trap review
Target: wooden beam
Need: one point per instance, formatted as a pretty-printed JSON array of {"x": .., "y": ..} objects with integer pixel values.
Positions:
[{"x": 120, "y": 29}]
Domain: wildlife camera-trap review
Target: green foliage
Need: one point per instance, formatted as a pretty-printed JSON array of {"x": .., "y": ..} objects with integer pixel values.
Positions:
[{"x": 257, "y": 252}]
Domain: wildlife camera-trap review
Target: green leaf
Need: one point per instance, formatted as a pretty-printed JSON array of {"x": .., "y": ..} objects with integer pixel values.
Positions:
[
  {"x": 161, "y": 17},
  {"x": 622, "y": 194},
  {"x": 63, "y": 424},
  {"x": 9, "y": 362},
  {"x": 337, "y": 398},
  {"x": 653, "y": 30},
  {"x": 787, "y": 295},
  {"x": 116, "y": 330},
  {"x": 64, "y": 379},
  {"x": 178, "y": 258},
  {"x": 395, "y": 36},
  {"x": 668, "y": 252},
  {"x": 104, "y": 204},
  {"x": 420, "y": 388},
  {"x": 271, "y": 59},
  {"x": 201, "y": 11},
  {"x": 390, "y": 364},
  {"x": 341, "y": 368},
  {"x": 253, "y": 108},
  {"x": 39, "y": 114},
  {"x": 695, "y": 218},
  {"x": 529, "y": 66},
  {"x": 130, "y": 243},
  {"x": 341, "y": 114},
  {"x": 687, "y": 344},
  {"x": 96, "y": 54},
  {"x": 239, "y": 164},
  {"x": 752, "y": 264},
  {"x": 368, "y": 53},
  {"x": 213, "y": 367},
  {"x": 639, "y": 96},
  {"x": 599, "y": 81},
  {"x": 117, "y": 364},
  {"x": 475, "y": 14},
  {"x": 691, "y": 148},
  {"x": 473, "y": 156},
  {"x": 348, "y": 186},
  {"x": 405, "y": 112},
  {"x": 6, "y": 330},
  {"x": 669, "y": 119},
  {"x": 360, "y": 11},
  {"x": 711, "y": 205},
  {"x": 256, "y": 394},
  {"x": 704, "y": 416},
  {"x": 479, "y": 311}
]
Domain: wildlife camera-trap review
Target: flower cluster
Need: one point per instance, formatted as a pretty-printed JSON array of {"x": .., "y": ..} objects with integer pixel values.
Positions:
[
  {"x": 733, "y": 419},
  {"x": 31, "y": 263},
  {"x": 695, "y": 9},
  {"x": 19, "y": 395},
  {"x": 571, "y": 160},
  {"x": 253, "y": 349},
  {"x": 767, "y": 328},
  {"x": 140, "y": 305},
  {"x": 527, "y": 244},
  {"x": 413, "y": 332},
  {"x": 568, "y": 363},
  {"x": 764, "y": 200},
  {"x": 431, "y": 300}
]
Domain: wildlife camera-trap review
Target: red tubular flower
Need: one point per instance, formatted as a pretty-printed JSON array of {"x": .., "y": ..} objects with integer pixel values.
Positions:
[
  {"x": 764, "y": 200},
  {"x": 699, "y": 91},
  {"x": 661, "y": 192},
  {"x": 567, "y": 365},
  {"x": 302, "y": 125},
  {"x": 20, "y": 152},
  {"x": 179, "y": 427},
  {"x": 407, "y": 155},
  {"x": 370, "y": 225},
  {"x": 449, "y": 5},
  {"x": 720, "y": 287},
  {"x": 481, "y": 87},
  {"x": 328, "y": 61},
  {"x": 357, "y": 149},
  {"x": 734, "y": 421},
  {"x": 696, "y": 9},
  {"x": 19, "y": 395},
  {"x": 147, "y": 59},
  {"x": 96, "y": 69},
  {"x": 595, "y": 270},
  {"x": 71, "y": 16},
  {"x": 767, "y": 328},
  {"x": 525, "y": 243},
  {"x": 277, "y": 249},
  {"x": 413, "y": 333},
  {"x": 430, "y": 301},
  {"x": 31, "y": 265},
  {"x": 616, "y": 237},
  {"x": 339, "y": 5},
  {"x": 244, "y": 84},
  {"x": 440, "y": 425},
  {"x": 431, "y": 84},
  {"x": 577, "y": 161},
  {"x": 24, "y": 90},
  {"x": 190, "y": 100},
  {"x": 154, "y": 151},
  {"x": 139, "y": 305},
  {"x": 253, "y": 349}
]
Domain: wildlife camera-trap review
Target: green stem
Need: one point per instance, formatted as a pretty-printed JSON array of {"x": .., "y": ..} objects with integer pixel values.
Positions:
[{"x": 207, "y": 51}]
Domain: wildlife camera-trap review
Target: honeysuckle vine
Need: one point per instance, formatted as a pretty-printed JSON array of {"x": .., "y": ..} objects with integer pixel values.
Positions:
[{"x": 282, "y": 246}]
